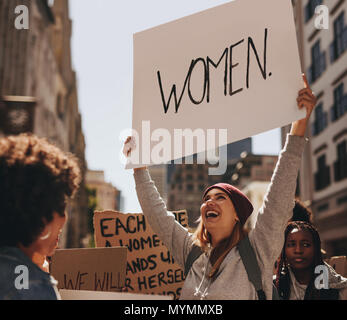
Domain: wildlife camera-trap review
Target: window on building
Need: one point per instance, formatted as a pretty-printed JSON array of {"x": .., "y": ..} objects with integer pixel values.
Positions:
[
  {"x": 341, "y": 200},
  {"x": 310, "y": 7},
  {"x": 189, "y": 177},
  {"x": 338, "y": 247},
  {"x": 178, "y": 178},
  {"x": 322, "y": 176},
  {"x": 59, "y": 106},
  {"x": 339, "y": 44},
  {"x": 190, "y": 187},
  {"x": 320, "y": 121},
  {"x": 318, "y": 65},
  {"x": 323, "y": 207},
  {"x": 340, "y": 103},
  {"x": 340, "y": 165},
  {"x": 201, "y": 168}
]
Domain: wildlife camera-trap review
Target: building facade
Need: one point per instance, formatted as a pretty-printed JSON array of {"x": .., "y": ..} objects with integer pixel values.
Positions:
[
  {"x": 38, "y": 91},
  {"x": 107, "y": 196},
  {"x": 159, "y": 176},
  {"x": 323, "y": 174},
  {"x": 252, "y": 175}
]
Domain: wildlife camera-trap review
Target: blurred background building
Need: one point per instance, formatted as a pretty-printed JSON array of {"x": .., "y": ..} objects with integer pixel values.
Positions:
[
  {"x": 322, "y": 182},
  {"x": 107, "y": 196},
  {"x": 38, "y": 90}
]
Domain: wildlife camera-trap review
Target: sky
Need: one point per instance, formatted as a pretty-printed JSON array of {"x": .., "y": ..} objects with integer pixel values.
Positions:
[{"x": 102, "y": 56}]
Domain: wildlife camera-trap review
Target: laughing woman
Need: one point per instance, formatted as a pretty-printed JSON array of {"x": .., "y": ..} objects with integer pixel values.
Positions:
[{"x": 219, "y": 273}]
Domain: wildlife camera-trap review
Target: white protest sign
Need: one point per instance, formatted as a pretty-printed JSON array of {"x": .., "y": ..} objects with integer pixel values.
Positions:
[{"x": 221, "y": 75}]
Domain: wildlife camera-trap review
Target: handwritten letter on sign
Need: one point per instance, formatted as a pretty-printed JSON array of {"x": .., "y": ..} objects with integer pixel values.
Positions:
[
  {"x": 234, "y": 67},
  {"x": 93, "y": 269},
  {"x": 150, "y": 266}
]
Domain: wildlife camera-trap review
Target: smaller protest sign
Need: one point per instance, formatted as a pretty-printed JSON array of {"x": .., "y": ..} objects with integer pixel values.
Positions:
[
  {"x": 339, "y": 263},
  {"x": 151, "y": 269},
  {"x": 97, "y": 269}
]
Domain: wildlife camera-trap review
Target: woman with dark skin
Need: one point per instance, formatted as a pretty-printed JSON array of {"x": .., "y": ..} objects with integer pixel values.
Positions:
[{"x": 296, "y": 272}]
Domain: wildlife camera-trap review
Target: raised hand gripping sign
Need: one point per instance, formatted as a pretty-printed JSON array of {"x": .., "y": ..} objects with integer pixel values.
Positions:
[{"x": 217, "y": 76}]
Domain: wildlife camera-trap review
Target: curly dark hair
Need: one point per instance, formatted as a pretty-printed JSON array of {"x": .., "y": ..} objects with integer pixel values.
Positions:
[
  {"x": 36, "y": 179},
  {"x": 301, "y": 212}
]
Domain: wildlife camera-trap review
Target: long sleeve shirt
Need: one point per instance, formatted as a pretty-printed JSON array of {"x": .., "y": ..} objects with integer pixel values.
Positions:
[{"x": 231, "y": 281}]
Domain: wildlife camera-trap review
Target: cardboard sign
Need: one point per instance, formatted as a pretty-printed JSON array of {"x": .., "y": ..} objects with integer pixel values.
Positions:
[
  {"x": 97, "y": 295},
  {"x": 151, "y": 269},
  {"x": 234, "y": 67},
  {"x": 97, "y": 269},
  {"x": 339, "y": 263}
]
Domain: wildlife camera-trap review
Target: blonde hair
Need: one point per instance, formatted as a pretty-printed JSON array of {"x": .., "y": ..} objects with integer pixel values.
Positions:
[{"x": 202, "y": 238}]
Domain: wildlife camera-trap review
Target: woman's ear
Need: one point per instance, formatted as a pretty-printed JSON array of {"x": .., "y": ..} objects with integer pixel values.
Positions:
[{"x": 45, "y": 233}]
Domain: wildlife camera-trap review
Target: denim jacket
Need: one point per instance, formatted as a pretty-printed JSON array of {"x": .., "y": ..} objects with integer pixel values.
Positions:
[{"x": 21, "y": 279}]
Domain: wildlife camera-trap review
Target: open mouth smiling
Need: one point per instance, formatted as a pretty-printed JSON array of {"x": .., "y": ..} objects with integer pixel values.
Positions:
[{"x": 210, "y": 215}]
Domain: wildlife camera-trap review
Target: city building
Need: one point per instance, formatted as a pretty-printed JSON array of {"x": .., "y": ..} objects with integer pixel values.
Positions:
[
  {"x": 159, "y": 176},
  {"x": 107, "y": 196},
  {"x": 322, "y": 182},
  {"x": 38, "y": 90},
  {"x": 252, "y": 175}
]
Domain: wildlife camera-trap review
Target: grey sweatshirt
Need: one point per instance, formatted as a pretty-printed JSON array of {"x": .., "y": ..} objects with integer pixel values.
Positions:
[{"x": 231, "y": 281}]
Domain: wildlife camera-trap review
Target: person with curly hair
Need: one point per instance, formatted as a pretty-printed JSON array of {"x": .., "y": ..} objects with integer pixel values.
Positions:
[
  {"x": 36, "y": 179},
  {"x": 296, "y": 271}
]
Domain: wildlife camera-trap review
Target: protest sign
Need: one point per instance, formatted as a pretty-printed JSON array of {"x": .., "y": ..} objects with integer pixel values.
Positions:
[
  {"x": 151, "y": 269},
  {"x": 234, "y": 68},
  {"x": 339, "y": 263},
  {"x": 97, "y": 269}
]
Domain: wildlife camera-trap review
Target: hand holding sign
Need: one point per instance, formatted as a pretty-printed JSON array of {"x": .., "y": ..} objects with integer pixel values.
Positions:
[
  {"x": 129, "y": 146},
  {"x": 248, "y": 72},
  {"x": 306, "y": 99}
]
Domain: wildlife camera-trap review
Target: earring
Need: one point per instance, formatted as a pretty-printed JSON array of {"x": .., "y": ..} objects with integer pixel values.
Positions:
[{"x": 46, "y": 236}]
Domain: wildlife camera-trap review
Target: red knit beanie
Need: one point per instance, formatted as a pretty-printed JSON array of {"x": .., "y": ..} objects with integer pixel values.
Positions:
[{"x": 243, "y": 206}]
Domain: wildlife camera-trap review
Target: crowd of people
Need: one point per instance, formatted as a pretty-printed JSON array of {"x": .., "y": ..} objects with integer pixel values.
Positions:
[{"x": 37, "y": 178}]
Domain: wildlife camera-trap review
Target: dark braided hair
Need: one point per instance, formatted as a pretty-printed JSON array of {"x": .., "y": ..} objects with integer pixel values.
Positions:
[{"x": 282, "y": 273}]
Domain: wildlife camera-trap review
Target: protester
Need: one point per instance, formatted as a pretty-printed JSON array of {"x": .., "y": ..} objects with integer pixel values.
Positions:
[
  {"x": 219, "y": 273},
  {"x": 36, "y": 178},
  {"x": 300, "y": 213},
  {"x": 296, "y": 274}
]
